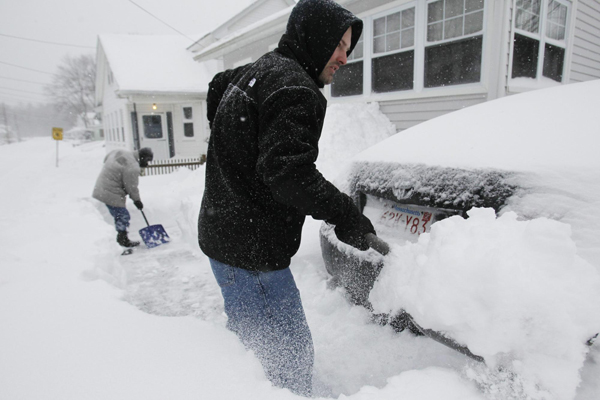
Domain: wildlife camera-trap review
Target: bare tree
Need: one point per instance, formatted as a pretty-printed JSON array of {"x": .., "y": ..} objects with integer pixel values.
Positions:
[
  {"x": 72, "y": 89},
  {"x": 5, "y": 131}
]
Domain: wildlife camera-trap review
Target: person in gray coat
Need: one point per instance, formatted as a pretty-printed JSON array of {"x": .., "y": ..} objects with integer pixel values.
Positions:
[{"x": 120, "y": 177}]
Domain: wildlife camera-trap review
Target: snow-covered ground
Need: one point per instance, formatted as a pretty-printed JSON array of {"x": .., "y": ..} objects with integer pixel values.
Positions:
[{"x": 79, "y": 321}]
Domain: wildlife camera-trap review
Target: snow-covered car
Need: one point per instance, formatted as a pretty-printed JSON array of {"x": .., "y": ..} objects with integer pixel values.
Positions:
[{"x": 535, "y": 154}]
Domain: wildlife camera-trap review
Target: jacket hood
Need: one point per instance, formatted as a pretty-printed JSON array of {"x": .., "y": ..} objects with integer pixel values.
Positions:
[{"x": 314, "y": 30}]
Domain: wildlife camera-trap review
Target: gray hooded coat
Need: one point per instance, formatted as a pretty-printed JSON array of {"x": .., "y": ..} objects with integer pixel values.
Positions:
[{"x": 119, "y": 178}]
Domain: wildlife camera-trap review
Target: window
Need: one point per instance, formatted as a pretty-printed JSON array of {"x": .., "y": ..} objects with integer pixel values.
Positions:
[
  {"x": 152, "y": 126},
  {"x": 111, "y": 137},
  {"x": 454, "y": 27},
  {"x": 414, "y": 47},
  {"x": 188, "y": 129},
  {"x": 122, "y": 126},
  {"x": 349, "y": 78},
  {"x": 392, "y": 66},
  {"x": 540, "y": 34},
  {"x": 188, "y": 124},
  {"x": 116, "y": 126}
]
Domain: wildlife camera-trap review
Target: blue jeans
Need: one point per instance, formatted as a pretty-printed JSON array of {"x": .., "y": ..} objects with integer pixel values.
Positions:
[
  {"x": 265, "y": 311},
  {"x": 121, "y": 216}
]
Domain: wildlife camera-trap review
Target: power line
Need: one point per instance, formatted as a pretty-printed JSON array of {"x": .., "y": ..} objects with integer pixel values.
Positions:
[
  {"x": 20, "y": 98},
  {"x": 30, "y": 69},
  {"x": 47, "y": 42},
  {"x": 19, "y": 90},
  {"x": 143, "y": 9},
  {"x": 22, "y": 80},
  {"x": 29, "y": 116},
  {"x": 21, "y": 94}
]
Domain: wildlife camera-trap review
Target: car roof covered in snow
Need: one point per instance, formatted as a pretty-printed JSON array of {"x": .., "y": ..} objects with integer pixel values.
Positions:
[{"x": 534, "y": 131}]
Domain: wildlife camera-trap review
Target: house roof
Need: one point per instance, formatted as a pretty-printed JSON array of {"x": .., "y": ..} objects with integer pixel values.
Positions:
[
  {"x": 254, "y": 12},
  {"x": 225, "y": 39},
  {"x": 155, "y": 63},
  {"x": 251, "y": 33}
]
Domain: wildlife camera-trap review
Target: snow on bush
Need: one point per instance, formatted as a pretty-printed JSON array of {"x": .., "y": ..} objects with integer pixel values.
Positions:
[{"x": 515, "y": 292}]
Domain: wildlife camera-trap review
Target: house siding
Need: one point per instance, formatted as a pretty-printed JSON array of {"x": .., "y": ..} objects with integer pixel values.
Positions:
[
  {"x": 585, "y": 62},
  {"x": 358, "y": 7},
  {"x": 112, "y": 107},
  {"x": 407, "y": 113},
  {"x": 184, "y": 146}
]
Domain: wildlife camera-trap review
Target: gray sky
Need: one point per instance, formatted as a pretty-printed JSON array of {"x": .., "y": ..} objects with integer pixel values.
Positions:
[{"x": 79, "y": 22}]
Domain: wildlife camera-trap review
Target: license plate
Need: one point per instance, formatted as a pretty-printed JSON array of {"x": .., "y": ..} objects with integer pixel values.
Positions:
[
  {"x": 406, "y": 218},
  {"x": 402, "y": 220}
]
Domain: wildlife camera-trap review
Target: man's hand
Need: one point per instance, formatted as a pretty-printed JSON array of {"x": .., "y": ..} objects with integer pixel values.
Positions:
[
  {"x": 138, "y": 204},
  {"x": 353, "y": 232}
]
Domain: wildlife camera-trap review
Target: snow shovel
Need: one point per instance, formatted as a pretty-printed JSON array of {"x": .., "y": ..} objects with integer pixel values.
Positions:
[
  {"x": 153, "y": 235},
  {"x": 383, "y": 248}
]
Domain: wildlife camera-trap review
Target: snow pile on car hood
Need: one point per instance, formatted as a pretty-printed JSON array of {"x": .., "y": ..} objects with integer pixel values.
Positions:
[{"x": 515, "y": 292}]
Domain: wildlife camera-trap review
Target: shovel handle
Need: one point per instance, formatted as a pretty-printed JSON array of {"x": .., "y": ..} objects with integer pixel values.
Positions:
[
  {"x": 377, "y": 244},
  {"x": 145, "y": 218}
]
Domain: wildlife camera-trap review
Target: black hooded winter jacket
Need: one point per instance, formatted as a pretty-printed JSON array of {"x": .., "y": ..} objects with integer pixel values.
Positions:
[{"x": 266, "y": 119}]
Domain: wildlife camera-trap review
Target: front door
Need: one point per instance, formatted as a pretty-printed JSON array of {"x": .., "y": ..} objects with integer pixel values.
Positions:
[{"x": 154, "y": 134}]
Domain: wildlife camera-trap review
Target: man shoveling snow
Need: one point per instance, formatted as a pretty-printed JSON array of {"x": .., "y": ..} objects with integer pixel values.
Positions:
[{"x": 120, "y": 177}]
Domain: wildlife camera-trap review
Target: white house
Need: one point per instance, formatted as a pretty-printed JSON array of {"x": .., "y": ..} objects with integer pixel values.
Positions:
[
  {"x": 423, "y": 58},
  {"x": 151, "y": 93}
]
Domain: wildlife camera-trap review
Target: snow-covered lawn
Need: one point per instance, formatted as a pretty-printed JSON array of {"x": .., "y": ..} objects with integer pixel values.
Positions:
[{"x": 79, "y": 321}]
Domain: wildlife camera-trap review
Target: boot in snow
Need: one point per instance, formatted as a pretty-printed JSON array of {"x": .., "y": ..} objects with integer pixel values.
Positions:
[{"x": 124, "y": 241}]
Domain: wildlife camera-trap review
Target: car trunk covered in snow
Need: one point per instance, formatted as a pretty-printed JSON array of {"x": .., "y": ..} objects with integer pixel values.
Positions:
[{"x": 491, "y": 213}]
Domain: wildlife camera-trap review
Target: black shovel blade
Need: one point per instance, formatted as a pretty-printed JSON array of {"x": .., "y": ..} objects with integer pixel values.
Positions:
[{"x": 446, "y": 341}]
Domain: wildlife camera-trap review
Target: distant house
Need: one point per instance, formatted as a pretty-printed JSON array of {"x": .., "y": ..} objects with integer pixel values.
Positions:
[
  {"x": 423, "y": 58},
  {"x": 151, "y": 93}
]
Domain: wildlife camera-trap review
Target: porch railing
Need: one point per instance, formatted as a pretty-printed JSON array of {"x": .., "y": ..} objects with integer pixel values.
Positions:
[{"x": 162, "y": 167}]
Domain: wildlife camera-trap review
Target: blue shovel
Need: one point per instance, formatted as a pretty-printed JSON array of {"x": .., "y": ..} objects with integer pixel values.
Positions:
[{"x": 153, "y": 235}]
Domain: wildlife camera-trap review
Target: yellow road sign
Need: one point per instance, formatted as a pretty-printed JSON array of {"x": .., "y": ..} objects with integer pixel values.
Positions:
[{"x": 57, "y": 133}]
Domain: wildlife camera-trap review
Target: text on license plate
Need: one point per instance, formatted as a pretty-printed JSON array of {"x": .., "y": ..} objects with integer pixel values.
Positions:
[{"x": 411, "y": 221}]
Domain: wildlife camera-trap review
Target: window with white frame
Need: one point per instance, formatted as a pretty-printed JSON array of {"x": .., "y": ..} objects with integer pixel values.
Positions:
[
  {"x": 349, "y": 79},
  {"x": 393, "y": 59},
  {"x": 444, "y": 39},
  {"x": 539, "y": 41},
  {"x": 188, "y": 123},
  {"x": 454, "y": 42}
]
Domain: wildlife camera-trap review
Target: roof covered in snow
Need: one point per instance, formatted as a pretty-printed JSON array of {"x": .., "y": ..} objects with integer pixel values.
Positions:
[
  {"x": 247, "y": 35},
  {"x": 255, "y": 12},
  {"x": 155, "y": 63}
]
